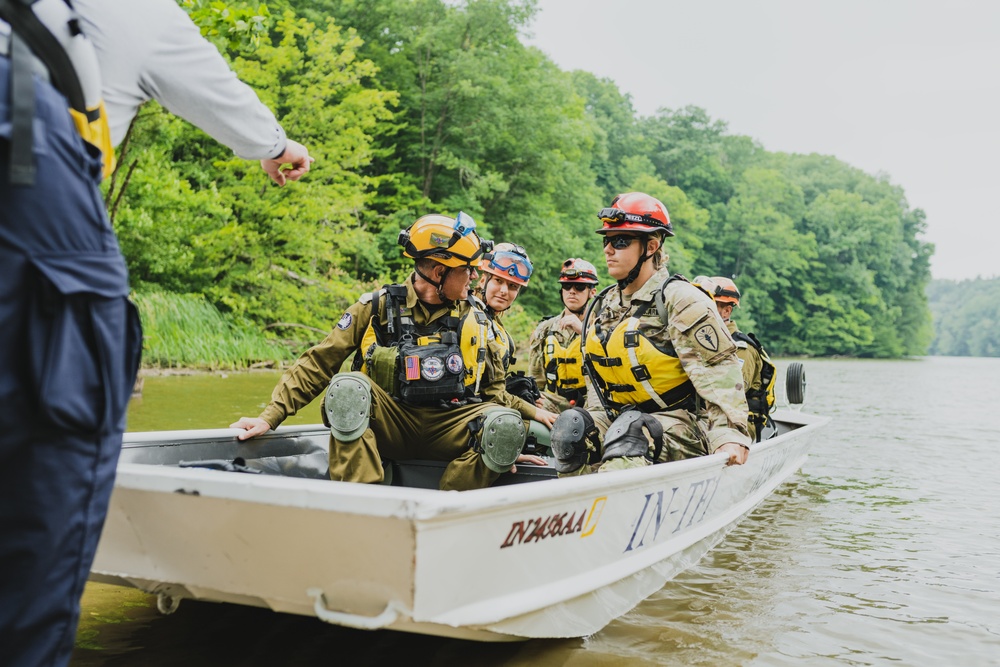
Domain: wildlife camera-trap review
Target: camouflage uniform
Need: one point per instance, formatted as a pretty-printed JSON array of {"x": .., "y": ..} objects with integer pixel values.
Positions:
[
  {"x": 552, "y": 401},
  {"x": 396, "y": 431},
  {"x": 707, "y": 355},
  {"x": 751, "y": 366}
]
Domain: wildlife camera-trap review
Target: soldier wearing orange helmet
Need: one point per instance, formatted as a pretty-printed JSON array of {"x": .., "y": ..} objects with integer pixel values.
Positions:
[
  {"x": 663, "y": 379},
  {"x": 405, "y": 397},
  {"x": 759, "y": 373}
]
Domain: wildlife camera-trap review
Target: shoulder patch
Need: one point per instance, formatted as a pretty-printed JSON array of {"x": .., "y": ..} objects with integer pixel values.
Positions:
[
  {"x": 345, "y": 321},
  {"x": 707, "y": 337}
]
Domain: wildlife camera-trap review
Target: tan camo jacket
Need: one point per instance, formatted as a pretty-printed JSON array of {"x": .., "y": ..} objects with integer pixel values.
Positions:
[{"x": 715, "y": 374}]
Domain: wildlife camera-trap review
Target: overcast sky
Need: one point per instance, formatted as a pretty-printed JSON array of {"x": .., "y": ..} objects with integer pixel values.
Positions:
[{"x": 906, "y": 87}]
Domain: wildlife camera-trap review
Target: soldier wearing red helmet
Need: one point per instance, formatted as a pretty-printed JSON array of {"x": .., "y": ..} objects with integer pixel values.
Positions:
[
  {"x": 554, "y": 357},
  {"x": 663, "y": 378}
]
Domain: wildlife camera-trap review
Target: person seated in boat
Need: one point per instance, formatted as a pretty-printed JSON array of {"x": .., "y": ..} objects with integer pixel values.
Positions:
[
  {"x": 759, "y": 373},
  {"x": 663, "y": 376},
  {"x": 554, "y": 356},
  {"x": 405, "y": 396},
  {"x": 503, "y": 277}
]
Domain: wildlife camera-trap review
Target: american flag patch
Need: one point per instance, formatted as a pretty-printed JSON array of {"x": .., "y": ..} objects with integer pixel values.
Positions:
[{"x": 413, "y": 368}]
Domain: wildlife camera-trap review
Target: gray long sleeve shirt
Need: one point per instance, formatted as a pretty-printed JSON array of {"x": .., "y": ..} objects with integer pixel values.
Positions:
[{"x": 150, "y": 49}]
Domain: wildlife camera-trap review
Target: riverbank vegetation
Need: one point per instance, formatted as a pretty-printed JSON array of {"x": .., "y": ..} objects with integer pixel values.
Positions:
[{"x": 417, "y": 106}]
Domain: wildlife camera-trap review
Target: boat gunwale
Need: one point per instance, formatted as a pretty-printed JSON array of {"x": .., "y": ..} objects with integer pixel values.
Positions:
[{"x": 391, "y": 501}]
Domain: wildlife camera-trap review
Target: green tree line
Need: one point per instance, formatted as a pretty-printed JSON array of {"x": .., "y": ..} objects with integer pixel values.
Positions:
[
  {"x": 418, "y": 106},
  {"x": 966, "y": 317}
]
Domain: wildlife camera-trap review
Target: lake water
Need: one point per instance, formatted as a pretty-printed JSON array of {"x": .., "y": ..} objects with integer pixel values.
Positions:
[{"x": 883, "y": 550}]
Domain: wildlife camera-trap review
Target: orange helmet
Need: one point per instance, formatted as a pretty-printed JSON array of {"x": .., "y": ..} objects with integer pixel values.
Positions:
[
  {"x": 576, "y": 270},
  {"x": 638, "y": 212},
  {"x": 510, "y": 262},
  {"x": 450, "y": 241},
  {"x": 724, "y": 290}
]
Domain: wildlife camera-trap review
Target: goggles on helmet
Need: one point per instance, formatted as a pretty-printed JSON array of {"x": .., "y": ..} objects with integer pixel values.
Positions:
[
  {"x": 441, "y": 243},
  {"x": 513, "y": 263}
]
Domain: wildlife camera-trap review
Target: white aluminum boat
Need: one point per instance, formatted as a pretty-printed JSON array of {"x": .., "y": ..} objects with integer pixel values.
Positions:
[{"x": 549, "y": 558}]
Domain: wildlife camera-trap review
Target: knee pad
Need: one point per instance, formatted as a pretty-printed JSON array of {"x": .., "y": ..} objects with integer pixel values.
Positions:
[
  {"x": 569, "y": 439},
  {"x": 625, "y": 436},
  {"x": 500, "y": 438},
  {"x": 539, "y": 438},
  {"x": 347, "y": 405}
]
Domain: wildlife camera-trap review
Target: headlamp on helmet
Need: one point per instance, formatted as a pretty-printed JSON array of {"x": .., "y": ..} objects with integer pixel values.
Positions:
[
  {"x": 635, "y": 211},
  {"x": 576, "y": 270}
]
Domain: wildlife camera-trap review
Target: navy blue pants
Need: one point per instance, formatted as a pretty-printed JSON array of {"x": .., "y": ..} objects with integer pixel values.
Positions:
[{"x": 69, "y": 350}]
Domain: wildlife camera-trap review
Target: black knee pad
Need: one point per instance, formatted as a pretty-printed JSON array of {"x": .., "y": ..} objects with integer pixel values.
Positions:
[
  {"x": 570, "y": 434},
  {"x": 625, "y": 437}
]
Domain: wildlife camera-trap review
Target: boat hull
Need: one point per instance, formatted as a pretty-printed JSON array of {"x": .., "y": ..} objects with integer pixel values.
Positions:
[{"x": 555, "y": 558}]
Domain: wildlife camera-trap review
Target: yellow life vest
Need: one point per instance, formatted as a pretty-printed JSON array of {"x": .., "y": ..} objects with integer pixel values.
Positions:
[
  {"x": 631, "y": 370},
  {"x": 760, "y": 401},
  {"x": 563, "y": 365},
  {"x": 474, "y": 337}
]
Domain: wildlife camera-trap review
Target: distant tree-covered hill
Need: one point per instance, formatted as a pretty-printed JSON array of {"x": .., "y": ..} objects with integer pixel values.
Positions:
[
  {"x": 419, "y": 106},
  {"x": 966, "y": 317}
]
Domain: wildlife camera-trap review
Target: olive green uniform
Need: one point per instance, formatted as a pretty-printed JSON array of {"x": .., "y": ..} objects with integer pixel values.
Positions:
[
  {"x": 396, "y": 431},
  {"x": 494, "y": 383},
  {"x": 552, "y": 401},
  {"x": 720, "y": 415},
  {"x": 751, "y": 366}
]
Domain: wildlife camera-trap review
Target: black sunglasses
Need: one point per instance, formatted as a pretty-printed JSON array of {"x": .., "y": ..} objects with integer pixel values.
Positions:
[
  {"x": 619, "y": 242},
  {"x": 576, "y": 287}
]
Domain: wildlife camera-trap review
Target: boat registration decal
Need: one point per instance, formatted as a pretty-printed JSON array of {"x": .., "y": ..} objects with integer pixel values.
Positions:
[
  {"x": 556, "y": 525},
  {"x": 672, "y": 508}
]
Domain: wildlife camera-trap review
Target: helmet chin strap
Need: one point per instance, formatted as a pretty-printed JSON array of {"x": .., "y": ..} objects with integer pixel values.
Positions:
[
  {"x": 634, "y": 273},
  {"x": 438, "y": 285}
]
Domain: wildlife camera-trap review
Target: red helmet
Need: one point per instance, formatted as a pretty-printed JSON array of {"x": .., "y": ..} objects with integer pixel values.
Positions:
[
  {"x": 576, "y": 270},
  {"x": 638, "y": 212}
]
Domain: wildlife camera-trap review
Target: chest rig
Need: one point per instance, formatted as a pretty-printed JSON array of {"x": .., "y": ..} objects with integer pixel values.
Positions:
[{"x": 417, "y": 364}]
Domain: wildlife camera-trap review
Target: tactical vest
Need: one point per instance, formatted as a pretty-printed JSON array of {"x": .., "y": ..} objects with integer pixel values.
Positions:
[
  {"x": 418, "y": 365},
  {"x": 46, "y": 40},
  {"x": 563, "y": 366},
  {"x": 629, "y": 369},
  {"x": 760, "y": 401}
]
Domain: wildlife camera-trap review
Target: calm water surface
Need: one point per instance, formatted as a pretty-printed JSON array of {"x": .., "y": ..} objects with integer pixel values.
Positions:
[{"x": 883, "y": 550}]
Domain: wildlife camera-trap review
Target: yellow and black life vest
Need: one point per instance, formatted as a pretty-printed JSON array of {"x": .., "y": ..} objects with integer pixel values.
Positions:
[
  {"x": 563, "y": 366},
  {"x": 630, "y": 370},
  {"x": 760, "y": 401},
  {"x": 48, "y": 32},
  {"x": 421, "y": 365},
  {"x": 474, "y": 336}
]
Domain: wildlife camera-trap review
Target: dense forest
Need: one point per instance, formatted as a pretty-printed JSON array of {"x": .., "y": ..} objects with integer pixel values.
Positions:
[
  {"x": 418, "y": 106},
  {"x": 966, "y": 317}
]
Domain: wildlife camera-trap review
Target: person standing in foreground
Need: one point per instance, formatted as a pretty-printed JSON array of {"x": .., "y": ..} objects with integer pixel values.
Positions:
[
  {"x": 70, "y": 340},
  {"x": 759, "y": 373},
  {"x": 406, "y": 396},
  {"x": 664, "y": 382},
  {"x": 554, "y": 356}
]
